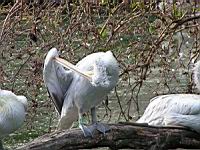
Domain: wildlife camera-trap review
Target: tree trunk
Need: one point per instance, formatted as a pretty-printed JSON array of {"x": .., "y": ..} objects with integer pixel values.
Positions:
[{"x": 122, "y": 135}]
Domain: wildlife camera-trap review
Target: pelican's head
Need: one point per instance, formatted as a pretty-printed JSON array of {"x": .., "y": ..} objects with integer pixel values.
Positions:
[
  {"x": 106, "y": 71},
  {"x": 111, "y": 63}
]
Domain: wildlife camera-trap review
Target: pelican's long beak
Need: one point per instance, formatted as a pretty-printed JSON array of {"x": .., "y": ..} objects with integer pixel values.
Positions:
[{"x": 72, "y": 67}]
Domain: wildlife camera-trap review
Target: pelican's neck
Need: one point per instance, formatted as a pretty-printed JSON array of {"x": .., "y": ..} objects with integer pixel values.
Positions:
[{"x": 196, "y": 76}]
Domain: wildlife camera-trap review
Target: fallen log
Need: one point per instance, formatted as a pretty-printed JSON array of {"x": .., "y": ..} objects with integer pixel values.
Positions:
[{"x": 121, "y": 135}]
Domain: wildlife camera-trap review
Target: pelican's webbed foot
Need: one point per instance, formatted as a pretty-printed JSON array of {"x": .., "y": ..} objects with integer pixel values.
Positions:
[
  {"x": 87, "y": 130},
  {"x": 103, "y": 128}
]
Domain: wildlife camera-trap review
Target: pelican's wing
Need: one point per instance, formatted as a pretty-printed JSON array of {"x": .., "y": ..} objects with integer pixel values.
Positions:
[
  {"x": 164, "y": 105},
  {"x": 56, "y": 79}
]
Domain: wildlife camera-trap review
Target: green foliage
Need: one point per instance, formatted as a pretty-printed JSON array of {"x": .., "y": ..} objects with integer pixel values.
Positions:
[
  {"x": 177, "y": 12},
  {"x": 152, "y": 29}
]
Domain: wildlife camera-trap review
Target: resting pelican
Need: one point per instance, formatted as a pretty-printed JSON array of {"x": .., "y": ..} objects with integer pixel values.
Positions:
[
  {"x": 175, "y": 109},
  {"x": 12, "y": 113},
  {"x": 80, "y": 88}
]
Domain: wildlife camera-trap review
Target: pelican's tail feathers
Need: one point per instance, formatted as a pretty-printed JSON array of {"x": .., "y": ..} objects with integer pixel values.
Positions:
[{"x": 67, "y": 119}]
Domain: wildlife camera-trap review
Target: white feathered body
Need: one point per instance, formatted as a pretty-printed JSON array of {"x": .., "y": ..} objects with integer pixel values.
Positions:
[
  {"x": 84, "y": 95},
  {"x": 175, "y": 109},
  {"x": 12, "y": 112},
  {"x": 73, "y": 94},
  {"x": 88, "y": 94}
]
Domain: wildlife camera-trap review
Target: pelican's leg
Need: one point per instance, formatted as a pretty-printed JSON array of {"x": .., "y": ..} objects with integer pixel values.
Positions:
[
  {"x": 87, "y": 131},
  {"x": 1, "y": 145},
  {"x": 103, "y": 128}
]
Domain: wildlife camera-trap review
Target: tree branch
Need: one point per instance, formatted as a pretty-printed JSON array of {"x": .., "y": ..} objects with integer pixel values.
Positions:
[
  {"x": 180, "y": 22},
  {"x": 122, "y": 135}
]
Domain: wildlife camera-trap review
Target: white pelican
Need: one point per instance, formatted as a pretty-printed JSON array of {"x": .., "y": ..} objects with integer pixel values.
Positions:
[
  {"x": 80, "y": 88},
  {"x": 12, "y": 113},
  {"x": 175, "y": 109}
]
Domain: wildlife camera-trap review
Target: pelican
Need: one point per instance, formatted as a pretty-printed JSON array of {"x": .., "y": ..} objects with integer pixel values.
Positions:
[
  {"x": 12, "y": 113},
  {"x": 175, "y": 109},
  {"x": 80, "y": 88}
]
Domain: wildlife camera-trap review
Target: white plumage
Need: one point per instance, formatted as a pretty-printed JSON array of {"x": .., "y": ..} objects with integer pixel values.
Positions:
[
  {"x": 175, "y": 109},
  {"x": 74, "y": 95},
  {"x": 12, "y": 112}
]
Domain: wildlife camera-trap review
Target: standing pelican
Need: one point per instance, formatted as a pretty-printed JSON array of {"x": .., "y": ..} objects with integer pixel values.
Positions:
[
  {"x": 175, "y": 109},
  {"x": 12, "y": 113},
  {"x": 80, "y": 88}
]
